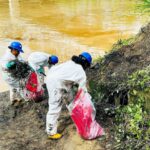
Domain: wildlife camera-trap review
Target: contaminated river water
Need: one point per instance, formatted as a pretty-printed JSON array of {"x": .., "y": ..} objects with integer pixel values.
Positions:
[{"x": 68, "y": 27}]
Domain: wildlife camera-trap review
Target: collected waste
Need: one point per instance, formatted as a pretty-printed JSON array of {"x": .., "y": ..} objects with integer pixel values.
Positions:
[
  {"x": 20, "y": 70},
  {"x": 29, "y": 81}
]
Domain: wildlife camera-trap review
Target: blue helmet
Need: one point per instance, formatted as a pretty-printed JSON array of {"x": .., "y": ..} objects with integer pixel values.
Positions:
[
  {"x": 54, "y": 59},
  {"x": 17, "y": 46},
  {"x": 87, "y": 56}
]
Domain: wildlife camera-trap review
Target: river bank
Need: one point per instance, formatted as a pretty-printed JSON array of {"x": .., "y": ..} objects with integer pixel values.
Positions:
[{"x": 22, "y": 127}]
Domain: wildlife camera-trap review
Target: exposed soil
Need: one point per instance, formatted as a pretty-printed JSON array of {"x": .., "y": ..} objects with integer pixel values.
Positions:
[{"x": 23, "y": 128}]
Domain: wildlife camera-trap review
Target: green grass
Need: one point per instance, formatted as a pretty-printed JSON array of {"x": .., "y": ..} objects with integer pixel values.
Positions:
[{"x": 144, "y": 6}]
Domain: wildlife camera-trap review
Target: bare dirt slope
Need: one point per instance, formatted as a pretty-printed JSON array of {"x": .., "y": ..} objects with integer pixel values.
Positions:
[{"x": 23, "y": 128}]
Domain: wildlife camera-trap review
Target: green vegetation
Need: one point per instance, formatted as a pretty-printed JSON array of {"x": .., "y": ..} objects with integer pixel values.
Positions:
[
  {"x": 144, "y": 6},
  {"x": 123, "y": 42},
  {"x": 97, "y": 92},
  {"x": 132, "y": 122}
]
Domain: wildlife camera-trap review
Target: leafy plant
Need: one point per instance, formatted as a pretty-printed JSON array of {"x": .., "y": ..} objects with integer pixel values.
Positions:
[
  {"x": 97, "y": 91},
  {"x": 144, "y": 6},
  {"x": 132, "y": 122}
]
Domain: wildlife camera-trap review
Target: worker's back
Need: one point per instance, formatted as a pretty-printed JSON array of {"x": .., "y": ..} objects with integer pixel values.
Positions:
[
  {"x": 68, "y": 71},
  {"x": 37, "y": 59}
]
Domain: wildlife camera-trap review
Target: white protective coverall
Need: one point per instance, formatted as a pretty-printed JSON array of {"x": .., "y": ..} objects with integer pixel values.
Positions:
[
  {"x": 55, "y": 81},
  {"x": 38, "y": 60},
  {"x": 12, "y": 82}
]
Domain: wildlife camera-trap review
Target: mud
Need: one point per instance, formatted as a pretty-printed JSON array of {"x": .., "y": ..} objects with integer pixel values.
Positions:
[{"x": 23, "y": 127}]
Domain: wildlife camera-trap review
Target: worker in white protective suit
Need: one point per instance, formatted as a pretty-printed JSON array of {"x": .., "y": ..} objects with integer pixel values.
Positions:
[
  {"x": 71, "y": 71},
  {"x": 39, "y": 60},
  {"x": 6, "y": 64}
]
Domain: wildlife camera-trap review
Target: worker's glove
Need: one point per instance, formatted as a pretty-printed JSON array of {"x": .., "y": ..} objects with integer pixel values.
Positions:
[
  {"x": 11, "y": 65},
  {"x": 41, "y": 71}
]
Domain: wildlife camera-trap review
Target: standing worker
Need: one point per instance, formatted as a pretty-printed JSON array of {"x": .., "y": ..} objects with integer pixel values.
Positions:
[
  {"x": 39, "y": 60},
  {"x": 7, "y": 63},
  {"x": 72, "y": 71}
]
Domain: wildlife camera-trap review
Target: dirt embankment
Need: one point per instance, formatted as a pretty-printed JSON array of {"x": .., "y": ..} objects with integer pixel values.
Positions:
[{"x": 112, "y": 71}]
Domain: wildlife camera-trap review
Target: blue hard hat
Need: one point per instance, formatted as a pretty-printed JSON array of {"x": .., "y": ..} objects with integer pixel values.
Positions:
[
  {"x": 54, "y": 59},
  {"x": 87, "y": 56},
  {"x": 17, "y": 46}
]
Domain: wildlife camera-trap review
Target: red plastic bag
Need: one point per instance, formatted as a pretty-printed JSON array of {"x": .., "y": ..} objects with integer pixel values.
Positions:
[
  {"x": 32, "y": 82},
  {"x": 83, "y": 114},
  {"x": 33, "y": 89}
]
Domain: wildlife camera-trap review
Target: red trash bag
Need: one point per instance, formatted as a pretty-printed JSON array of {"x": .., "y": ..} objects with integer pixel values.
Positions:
[
  {"x": 83, "y": 115},
  {"x": 32, "y": 82},
  {"x": 33, "y": 89}
]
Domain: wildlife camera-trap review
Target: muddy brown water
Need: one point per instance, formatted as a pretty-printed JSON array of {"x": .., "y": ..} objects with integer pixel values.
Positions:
[{"x": 67, "y": 27}]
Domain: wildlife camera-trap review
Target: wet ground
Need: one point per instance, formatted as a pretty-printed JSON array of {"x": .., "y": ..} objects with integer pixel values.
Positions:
[{"x": 23, "y": 127}]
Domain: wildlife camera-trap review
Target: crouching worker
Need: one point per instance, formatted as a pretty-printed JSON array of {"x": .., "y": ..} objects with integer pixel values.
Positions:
[
  {"x": 39, "y": 60},
  {"x": 7, "y": 64},
  {"x": 72, "y": 71}
]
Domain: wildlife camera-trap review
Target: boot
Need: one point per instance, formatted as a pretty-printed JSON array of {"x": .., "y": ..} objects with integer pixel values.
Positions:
[{"x": 55, "y": 136}]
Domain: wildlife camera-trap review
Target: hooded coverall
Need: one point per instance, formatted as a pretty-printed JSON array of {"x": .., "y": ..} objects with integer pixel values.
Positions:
[
  {"x": 13, "y": 83},
  {"x": 55, "y": 81},
  {"x": 38, "y": 60}
]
